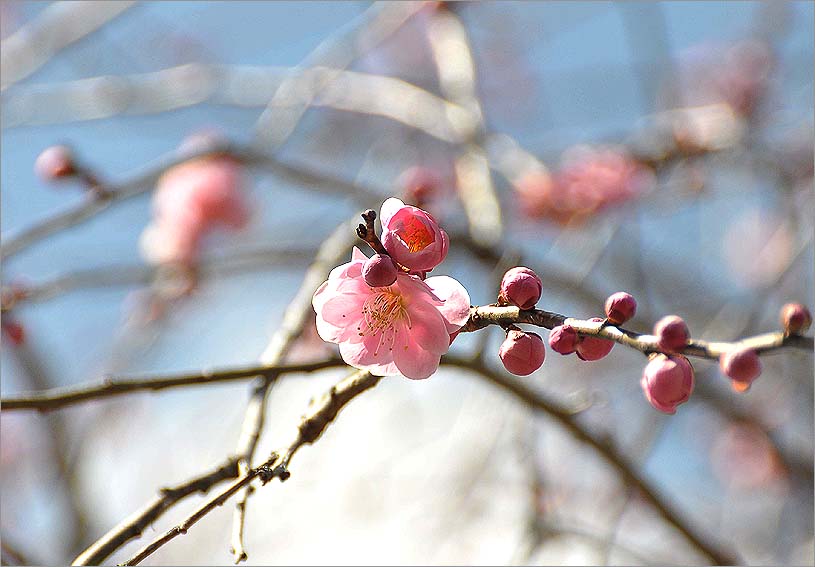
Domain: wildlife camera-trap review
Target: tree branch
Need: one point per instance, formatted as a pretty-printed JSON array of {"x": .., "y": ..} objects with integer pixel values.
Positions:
[
  {"x": 483, "y": 316},
  {"x": 58, "y": 398},
  {"x": 313, "y": 424},
  {"x": 133, "y": 526},
  {"x": 605, "y": 448},
  {"x": 143, "y": 181},
  {"x": 332, "y": 251}
]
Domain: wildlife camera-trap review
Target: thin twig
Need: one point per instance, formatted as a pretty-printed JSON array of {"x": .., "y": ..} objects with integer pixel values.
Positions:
[
  {"x": 482, "y": 316},
  {"x": 143, "y": 180},
  {"x": 58, "y": 398},
  {"x": 133, "y": 526},
  {"x": 226, "y": 262},
  {"x": 312, "y": 425},
  {"x": 330, "y": 253},
  {"x": 290, "y": 101},
  {"x": 605, "y": 447}
]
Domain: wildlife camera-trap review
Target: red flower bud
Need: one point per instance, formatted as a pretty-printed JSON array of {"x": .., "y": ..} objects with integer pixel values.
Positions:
[
  {"x": 741, "y": 365},
  {"x": 592, "y": 348},
  {"x": 672, "y": 333},
  {"x": 795, "y": 318},
  {"x": 667, "y": 381},
  {"x": 522, "y": 353},
  {"x": 379, "y": 271},
  {"x": 54, "y": 163},
  {"x": 563, "y": 339},
  {"x": 522, "y": 287},
  {"x": 620, "y": 307}
]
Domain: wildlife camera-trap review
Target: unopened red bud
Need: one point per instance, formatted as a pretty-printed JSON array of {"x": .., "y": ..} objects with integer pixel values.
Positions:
[
  {"x": 54, "y": 163},
  {"x": 672, "y": 333},
  {"x": 563, "y": 339},
  {"x": 14, "y": 331},
  {"x": 741, "y": 365},
  {"x": 522, "y": 287},
  {"x": 592, "y": 348},
  {"x": 667, "y": 381},
  {"x": 379, "y": 271},
  {"x": 522, "y": 353},
  {"x": 620, "y": 307},
  {"x": 795, "y": 318}
]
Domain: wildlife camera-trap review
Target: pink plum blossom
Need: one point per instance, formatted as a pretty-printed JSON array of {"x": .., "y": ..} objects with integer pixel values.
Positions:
[
  {"x": 588, "y": 181},
  {"x": 667, "y": 381},
  {"x": 419, "y": 184},
  {"x": 412, "y": 236},
  {"x": 190, "y": 200},
  {"x": 402, "y": 328}
]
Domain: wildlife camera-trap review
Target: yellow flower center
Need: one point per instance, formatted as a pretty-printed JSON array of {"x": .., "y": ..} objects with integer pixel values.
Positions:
[
  {"x": 416, "y": 235},
  {"x": 381, "y": 310}
]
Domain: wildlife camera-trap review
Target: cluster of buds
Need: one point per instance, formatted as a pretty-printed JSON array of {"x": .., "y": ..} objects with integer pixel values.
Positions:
[
  {"x": 190, "y": 200},
  {"x": 564, "y": 339},
  {"x": 589, "y": 180},
  {"x": 522, "y": 353}
]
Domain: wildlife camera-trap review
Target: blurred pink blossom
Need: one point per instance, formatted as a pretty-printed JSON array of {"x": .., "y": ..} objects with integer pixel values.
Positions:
[
  {"x": 589, "y": 180},
  {"x": 190, "y": 200}
]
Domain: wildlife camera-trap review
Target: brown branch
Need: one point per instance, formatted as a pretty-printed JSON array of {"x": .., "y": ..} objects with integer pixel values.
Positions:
[
  {"x": 483, "y": 316},
  {"x": 312, "y": 425},
  {"x": 227, "y": 262},
  {"x": 332, "y": 251},
  {"x": 142, "y": 181},
  {"x": 605, "y": 448},
  {"x": 133, "y": 526},
  {"x": 58, "y": 398}
]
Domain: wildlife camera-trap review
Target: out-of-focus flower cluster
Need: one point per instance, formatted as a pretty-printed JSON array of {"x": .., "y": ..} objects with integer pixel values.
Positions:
[{"x": 590, "y": 179}]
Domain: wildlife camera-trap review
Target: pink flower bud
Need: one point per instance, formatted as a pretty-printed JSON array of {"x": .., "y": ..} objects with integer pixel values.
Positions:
[
  {"x": 592, "y": 348},
  {"x": 563, "y": 339},
  {"x": 667, "y": 381},
  {"x": 672, "y": 333},
  {"x": 412, "y": 236},
  {"x": 795, "y": 318},
  {"x": 379, "y": 271},
  {"x": 522, "y": 353},
  {"x": 54, "y": 163},
  {"x": 741, "y": 365},
  {"x": 418, "y": 184},
  {"x": 14, "y": 331},
  {"x": 620, "y": 307},
  {"x": 522, "y": 287}
]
